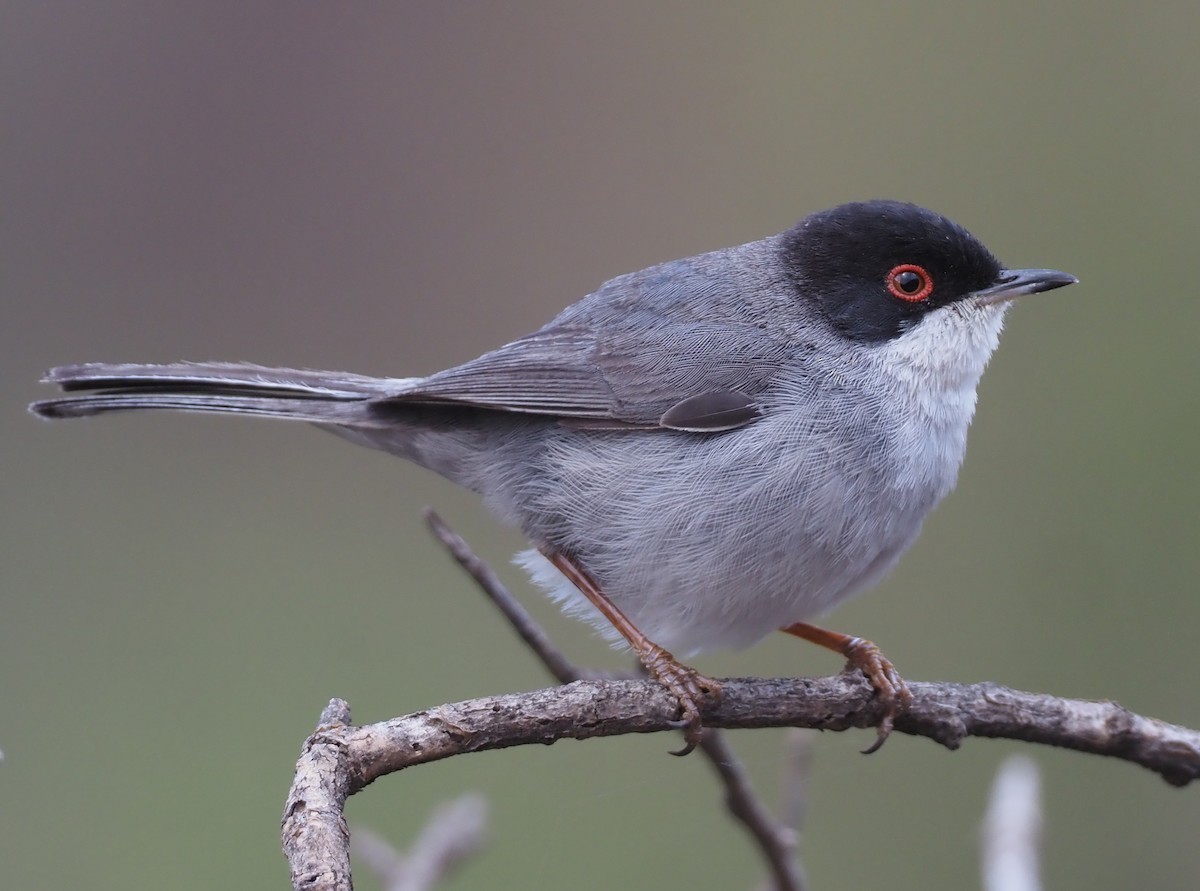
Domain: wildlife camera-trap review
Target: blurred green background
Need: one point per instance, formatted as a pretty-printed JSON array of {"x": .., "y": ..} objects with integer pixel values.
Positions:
[{"x": 392, "y": 190}]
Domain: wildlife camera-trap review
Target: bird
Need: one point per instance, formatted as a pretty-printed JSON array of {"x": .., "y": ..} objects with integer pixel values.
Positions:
[{"x": 701, "y": 452}]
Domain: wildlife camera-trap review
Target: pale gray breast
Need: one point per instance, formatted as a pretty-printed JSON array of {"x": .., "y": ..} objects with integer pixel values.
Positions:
[{"x": 717, "y": 540}]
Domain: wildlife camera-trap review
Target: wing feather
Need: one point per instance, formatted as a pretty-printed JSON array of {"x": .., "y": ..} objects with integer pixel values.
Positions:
[{"x": 629, "y": 378}]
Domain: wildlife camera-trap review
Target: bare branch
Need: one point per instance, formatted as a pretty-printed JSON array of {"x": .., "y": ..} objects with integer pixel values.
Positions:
[
  {"x": 338, "y": 761},
  {"x": 316, "y": 840},
  {"x": 945, "y": 713}
]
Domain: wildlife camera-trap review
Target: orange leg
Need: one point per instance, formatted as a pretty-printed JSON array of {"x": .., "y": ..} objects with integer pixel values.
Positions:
[
  {"x": 866, "y": 657},
  {"x": 691, "y": 688}
]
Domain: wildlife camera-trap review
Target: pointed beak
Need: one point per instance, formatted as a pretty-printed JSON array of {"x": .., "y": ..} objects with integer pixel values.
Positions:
[{"x": 1013, "y": 283}]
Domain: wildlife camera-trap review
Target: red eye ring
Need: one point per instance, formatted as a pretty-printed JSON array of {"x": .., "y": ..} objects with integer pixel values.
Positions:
[{"x": 910, "y": 283}]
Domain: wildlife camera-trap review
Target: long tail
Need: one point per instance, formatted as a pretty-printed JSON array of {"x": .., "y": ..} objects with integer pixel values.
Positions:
[{"x": 219, "y": 387}]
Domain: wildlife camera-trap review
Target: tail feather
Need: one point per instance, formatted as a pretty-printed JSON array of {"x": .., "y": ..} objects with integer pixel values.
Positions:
[{"x": 223, "y": 388}]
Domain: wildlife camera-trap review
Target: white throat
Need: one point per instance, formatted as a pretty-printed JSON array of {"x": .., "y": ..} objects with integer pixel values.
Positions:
[
  {"x": 939, "y": 363},
  {"x": 943, "y": 356}
]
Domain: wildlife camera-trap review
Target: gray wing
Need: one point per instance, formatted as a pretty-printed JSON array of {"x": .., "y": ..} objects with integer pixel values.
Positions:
[
  {"x": 693, "y": 345},
  {"x": 701, "y": 377}
]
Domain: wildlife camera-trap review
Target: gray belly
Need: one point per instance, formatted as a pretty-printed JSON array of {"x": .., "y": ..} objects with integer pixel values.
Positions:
[{"x": 712, "y": 541}]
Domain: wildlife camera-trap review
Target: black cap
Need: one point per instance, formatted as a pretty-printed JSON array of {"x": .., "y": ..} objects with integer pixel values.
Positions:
[{"x": 876, "y": 268}]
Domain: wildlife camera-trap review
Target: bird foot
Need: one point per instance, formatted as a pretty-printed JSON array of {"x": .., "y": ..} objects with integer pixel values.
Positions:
[
  {"x": 694, "y": 691},
  {"x": 893, "y": 691}
]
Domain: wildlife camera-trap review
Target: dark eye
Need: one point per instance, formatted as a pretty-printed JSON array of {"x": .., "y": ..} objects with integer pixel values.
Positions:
[{"x": 910, "y": 283}]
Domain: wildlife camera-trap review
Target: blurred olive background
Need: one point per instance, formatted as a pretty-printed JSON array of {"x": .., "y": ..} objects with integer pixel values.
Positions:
[{"x": 395, "y": 189}]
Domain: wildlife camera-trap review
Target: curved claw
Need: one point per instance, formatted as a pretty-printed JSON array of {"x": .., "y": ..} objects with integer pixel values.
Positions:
[
  {"x": 692, "y": 731},
  {"x": 893, "y": 691},
  {"x": 692, "y": 689},
  {"x": 881, "y": 735}
]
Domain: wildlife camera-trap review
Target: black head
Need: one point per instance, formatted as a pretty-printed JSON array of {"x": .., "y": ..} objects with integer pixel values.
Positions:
[{"x": 875, "y": 268}]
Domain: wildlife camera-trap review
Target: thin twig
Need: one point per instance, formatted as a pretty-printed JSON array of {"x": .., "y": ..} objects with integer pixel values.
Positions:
[
  {"x": 793, "y": 788},
  {"x": 455, "y": 831},
  {"x": 775, "y": 841},
  {"x": 379, "y": 856},
  {"x": 1012, "y": 828},
  {"x": 797, "y": 768},
  {"x": 522, "y": 622}
]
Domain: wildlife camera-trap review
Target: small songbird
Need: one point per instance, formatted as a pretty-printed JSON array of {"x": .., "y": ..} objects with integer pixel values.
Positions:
[{"x": 701, "y": 452}]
